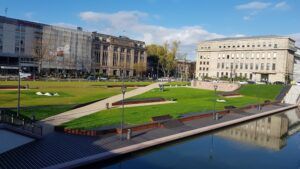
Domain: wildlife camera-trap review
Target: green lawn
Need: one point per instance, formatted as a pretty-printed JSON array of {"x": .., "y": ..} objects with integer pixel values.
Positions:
[
  {"x": 188, "y": 100},
  {"x": 70, "y": 94}
]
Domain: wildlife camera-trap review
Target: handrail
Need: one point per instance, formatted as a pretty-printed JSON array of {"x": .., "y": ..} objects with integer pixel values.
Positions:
[{"x": 27, "y": 126}]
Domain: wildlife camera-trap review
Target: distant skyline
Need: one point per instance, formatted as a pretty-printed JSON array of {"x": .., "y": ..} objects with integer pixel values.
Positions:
[{"x": 157, "y": 21}]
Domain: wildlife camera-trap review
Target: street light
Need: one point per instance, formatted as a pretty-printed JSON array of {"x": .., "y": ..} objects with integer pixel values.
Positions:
[
  {"x": 122, "y": 116},
  {"x": 215, "y": 102}
]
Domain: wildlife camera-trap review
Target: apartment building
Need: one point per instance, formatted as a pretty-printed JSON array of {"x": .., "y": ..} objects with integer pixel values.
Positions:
[
  {"x": 17, "y": 39},
  {"x": 58, "y": 50},
  {"x": 185, "y": 69},
  {"x": 257, "y": 58}
]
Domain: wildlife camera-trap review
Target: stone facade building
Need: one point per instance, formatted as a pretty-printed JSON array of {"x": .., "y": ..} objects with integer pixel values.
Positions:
[
  {"x": 185, "y": 69},
  {"x": 258, "y": 58},
  {"x": 114, "y": 55}
]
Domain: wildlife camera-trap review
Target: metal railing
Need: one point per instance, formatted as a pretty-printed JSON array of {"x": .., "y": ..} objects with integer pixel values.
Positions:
[{"x": 21, "y": 124}]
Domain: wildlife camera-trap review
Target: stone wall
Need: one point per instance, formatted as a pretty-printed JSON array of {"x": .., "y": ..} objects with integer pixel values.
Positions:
[{"x": 222, "y": 86}]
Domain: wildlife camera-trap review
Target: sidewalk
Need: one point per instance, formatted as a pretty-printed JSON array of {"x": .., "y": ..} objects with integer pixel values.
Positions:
[{"x": 94, "y": 107}]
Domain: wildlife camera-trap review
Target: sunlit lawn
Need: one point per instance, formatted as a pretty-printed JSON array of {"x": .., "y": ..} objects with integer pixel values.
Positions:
[
  {"x": 70, "y": 94},
  {"x": 188, "y": 101}
]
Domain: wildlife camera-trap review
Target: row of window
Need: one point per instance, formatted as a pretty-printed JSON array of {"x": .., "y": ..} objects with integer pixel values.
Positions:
[
  {"x": 203, "y": 68},
  {"x": 246, "y": 56},
  {"x": 204, "y": 63},
  {"x": 243, "y": 46},
  {"x": 228, "y": 74},
  {"x": 246, "y": 66}
]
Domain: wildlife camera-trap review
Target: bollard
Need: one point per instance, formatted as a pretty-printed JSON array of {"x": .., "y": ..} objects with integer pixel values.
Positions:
[
  {"x": 217, "y": 116},
  {"x": 129, "y": 133},
  {"x": 12, "y": 119}
]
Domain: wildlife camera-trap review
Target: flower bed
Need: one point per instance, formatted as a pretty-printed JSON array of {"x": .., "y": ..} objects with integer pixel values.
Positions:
[{"x": 138, "y": 101}]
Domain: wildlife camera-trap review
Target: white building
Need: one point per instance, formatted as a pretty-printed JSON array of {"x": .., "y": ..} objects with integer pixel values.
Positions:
[{"x": 258, "y": 58}]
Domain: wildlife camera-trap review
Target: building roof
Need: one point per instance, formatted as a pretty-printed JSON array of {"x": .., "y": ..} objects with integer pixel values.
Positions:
[{"x": 248, "y": 37}]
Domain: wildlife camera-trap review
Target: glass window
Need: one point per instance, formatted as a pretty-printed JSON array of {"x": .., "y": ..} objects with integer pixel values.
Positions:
[
  {"x": 268, "y": 66},
  {"x": 262, "y": 66},
  {"x": 273, "y": 66},
  {"x": 274, "y": 55}
]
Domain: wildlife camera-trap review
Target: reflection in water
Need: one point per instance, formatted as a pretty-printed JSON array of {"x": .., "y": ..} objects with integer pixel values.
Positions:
[
  {"x": 274, "y": 140},
  {"x": 270, "y": 132}
]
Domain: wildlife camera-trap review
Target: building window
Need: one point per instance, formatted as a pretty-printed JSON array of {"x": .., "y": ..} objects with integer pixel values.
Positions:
[
  {"x": 251, "y": 66},
  {"x": 246, "y": 66},
  {"x": 256, "y": 66},
  {"x": 200, "y": 57},
  {"x": 220, "y": 46},
  {"x": 200, "y": 68},
  {"x": 275, "y": 45},
  {"x": 262, "y": 66},
  {"x": 218, "y": 65},
  {"x": 228, "y": 56},
  {"x": 200, "y": 63},
  {"x": 273, "y": 66},
  {"x": 241, "y": 65},
  {"x": 222, "y": 65},
  {"x": 268, "y": 66},
  {"x": 274, "y": 55},
  {"x": 236, "y": 66},
  {"x": 115, "y": 59},
  {"x": 217, "y": 74}
]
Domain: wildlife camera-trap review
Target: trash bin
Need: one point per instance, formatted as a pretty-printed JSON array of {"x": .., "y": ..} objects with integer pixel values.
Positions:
[{"x": 129, "y": 133}]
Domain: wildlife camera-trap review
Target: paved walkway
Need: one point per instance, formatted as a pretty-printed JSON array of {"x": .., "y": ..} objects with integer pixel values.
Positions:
[
  {"x": 94, "y": 107},
  {"x": 58, "y": 150}
]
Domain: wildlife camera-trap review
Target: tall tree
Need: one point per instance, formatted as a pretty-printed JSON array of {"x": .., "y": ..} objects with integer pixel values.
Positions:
[{"x": 166, "y": 55}]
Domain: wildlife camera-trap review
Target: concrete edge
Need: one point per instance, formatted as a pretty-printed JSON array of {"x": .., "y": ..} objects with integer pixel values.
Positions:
[{"x": 147, "y": 144}]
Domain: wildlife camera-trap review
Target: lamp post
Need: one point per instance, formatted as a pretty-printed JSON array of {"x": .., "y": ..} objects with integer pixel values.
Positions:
[
  {"x": 122, "y": 116},
  {"x": 215, "y": 102}
]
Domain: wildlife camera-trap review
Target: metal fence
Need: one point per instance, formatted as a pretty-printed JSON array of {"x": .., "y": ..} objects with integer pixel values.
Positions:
[{"x": 22, "y": 124}]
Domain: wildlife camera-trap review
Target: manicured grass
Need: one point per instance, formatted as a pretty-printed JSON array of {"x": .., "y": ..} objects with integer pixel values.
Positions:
[
  {"x": 188, "y": 101},
  {"x": 70, "y": 94}
]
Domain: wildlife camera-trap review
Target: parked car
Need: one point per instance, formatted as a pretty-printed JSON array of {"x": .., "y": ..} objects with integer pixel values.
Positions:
[
  {"x": 243, "y": 82},
  {"x": 278, "y": 83},
  {"x": 262, "y": 82},
  {"x": 103, "y": 78},
  {"x": 91, "y": 78},
  {"x": 250, "y": 82},
  {"x": 298, "y": 83}
]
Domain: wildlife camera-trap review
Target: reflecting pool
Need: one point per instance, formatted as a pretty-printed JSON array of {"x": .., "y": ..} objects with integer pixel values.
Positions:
[{"x": 269, "y": 142}]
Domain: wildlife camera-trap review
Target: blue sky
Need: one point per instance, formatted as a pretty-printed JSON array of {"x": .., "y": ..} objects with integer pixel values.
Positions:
[{"x": 157, "y": 21}]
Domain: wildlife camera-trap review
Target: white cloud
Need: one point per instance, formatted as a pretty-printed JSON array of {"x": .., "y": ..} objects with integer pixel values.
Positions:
[
  {"x": 28, "y": 15},
  {"x": 256, "y": 5},
  {"x": 296, "y": 37},
  {"x": 282, "y": 6},
  {"x": 132, "y": 23},
  {"x": 65, "y": 25}
]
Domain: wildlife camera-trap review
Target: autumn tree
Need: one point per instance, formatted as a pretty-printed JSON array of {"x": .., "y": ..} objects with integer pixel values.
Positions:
[{"x": 166, "y": 55}]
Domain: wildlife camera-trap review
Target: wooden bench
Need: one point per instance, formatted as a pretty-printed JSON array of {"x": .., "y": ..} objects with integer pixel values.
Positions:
[{"x": 161, "y": 118}]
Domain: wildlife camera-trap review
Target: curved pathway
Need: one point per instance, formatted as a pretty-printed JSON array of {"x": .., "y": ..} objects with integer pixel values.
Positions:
[{"x": 94, "y": 107}]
